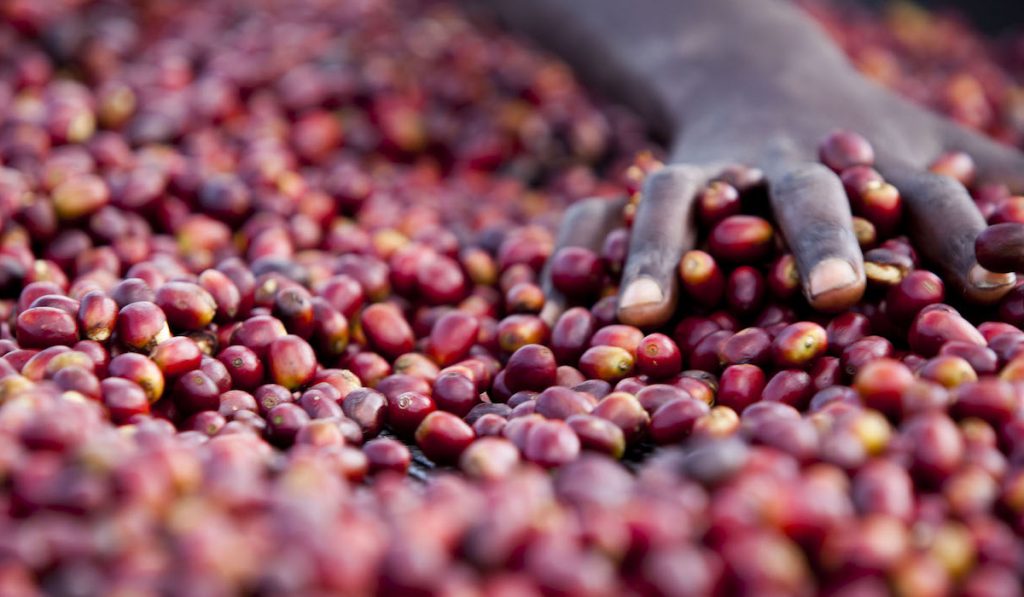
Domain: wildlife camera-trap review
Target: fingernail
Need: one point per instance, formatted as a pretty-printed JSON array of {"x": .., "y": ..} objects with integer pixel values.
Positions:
[
  {"x": 830, "y": 274},
  {"x": 643, "y": 291},
  {"x": 984, "y": 279},
  {"x": 549, "y": 314}
]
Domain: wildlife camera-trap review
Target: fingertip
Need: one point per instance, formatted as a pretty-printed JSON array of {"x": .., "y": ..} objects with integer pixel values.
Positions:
[
  {"x": 552, "y": 310},
  {"x": 986, "y": 287},
  {"x": 834, "y": 284},
  {"x": 644, "y": 302}
]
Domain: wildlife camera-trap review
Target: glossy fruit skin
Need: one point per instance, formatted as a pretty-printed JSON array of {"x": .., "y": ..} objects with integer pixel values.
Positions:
[
  {"x": 609, "y": 363},
  {"x": 451, "y": 337},
  {"x": 741, "y": 239},
  {"x": 216, "y": 371},
  {"x": 799, "y": 344},
  {"x": 716, "y": 202},
  {"x": 387, "y": 330},
  {"x": 882, "y": 205},
  {"x": 654, "y": 396},
  {"x": 331, "y": 334},
  {"x": 658, "y": 357},
  {"x": 268, "y": 396},
  {"x": 623, "y": 336},
  {"x": 845, "y": 329},
  {"x": 176, "y": 356},
  {"x": 914, "y": 292},
  {"x": 550, "y": 444},
  {"x": 936, "y": 447},
  {"x": 291, "y": 361},
  {"x": 577, "y": 272},
  {"x": 489, "y": 458},
  {"x": 842, "y": 150},
  {"x": 934, "y": 327},
  {"x": 195, "y": 392},
  {"x": 443, "y": 437},
  {"x": 673, "y": 421},
  {"x": 948, "y": 370},
  {"x": 749, "y": 345},
  {"x": 284, "y": 422},
  {"x": 740, "y": 386},
  {"x": 343, "y": 293},
  {"x": 745, "y": 291},
  {"x": 225, "y": 293},
  {"x": 881, "y": 384},
  {"x": 368, "y": 408},
  {"x": 386, "y": 454},
  {"x": 626, "y": 412},
  {"x": 701, "y": 278},
  {"x": 957, "y": 165},
  {"x": 187, "y": 306},
  {"x": 257, "y": 332},
  {"x": 562, "y": 403},
  {"x": 97, "y": 316},
  {"x": 455, "y": 393},
  {"x": 783, "y": 278},
  {"x": 532, "y": 367},
  {"x": 571, "y": 334},
  {"x": 245, "y": 368},
  {"x": 691, "y": 330},
  {"x": 991, "y": 400},
  {"x": 293, "y": 305},
  {"x": 705, "y": 355},
  {"x": 141, "y": 370},
  {"x": 141, "y": 326},
  {"x": 598, "y": 435},
  {"x": 39, "y": 327},
  {"x": 863, "y": 351},
  {"x": 440, "y": 280},
  {"x": 982, "y": 359},
  {"x": 78, "y": 379},
  {"x": 123, "y": 399},
  {"x": 789, "y": 386}
]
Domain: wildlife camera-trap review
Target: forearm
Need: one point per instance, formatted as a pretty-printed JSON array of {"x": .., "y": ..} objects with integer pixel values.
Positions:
[{"x": 658, "y": 55}]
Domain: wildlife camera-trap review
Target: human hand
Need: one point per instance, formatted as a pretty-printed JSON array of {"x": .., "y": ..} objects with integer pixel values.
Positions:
[{"x": 775, "y": 125}]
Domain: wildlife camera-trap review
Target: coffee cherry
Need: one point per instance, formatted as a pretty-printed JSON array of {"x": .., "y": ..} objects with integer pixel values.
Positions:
[
  {"x": 443, "y": 437},
  {"x": 610, "y": 363},
  {"x": 291, "y": 361},
  {"x": 798, "y": 344},
  {"x": 39, "y": 327},
  {"x": 841, "y": 150},
  {"x": 741, "y": 239},
  {"x": 187, "y": 306},
  {"x": 531, "y": 367},
  {"x": 577, "y": 272},
  {"x": 658, "y": 357}
]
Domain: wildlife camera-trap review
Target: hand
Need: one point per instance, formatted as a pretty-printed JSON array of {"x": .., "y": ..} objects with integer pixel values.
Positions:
[{"x": 775, "y": 123}]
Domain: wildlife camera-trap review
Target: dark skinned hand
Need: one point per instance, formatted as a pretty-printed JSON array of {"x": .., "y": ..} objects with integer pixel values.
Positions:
[{"x": 771, "y": 112}]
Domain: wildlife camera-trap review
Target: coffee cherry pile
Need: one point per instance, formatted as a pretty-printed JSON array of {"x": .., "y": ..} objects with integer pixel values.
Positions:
[{"x": 270, "y": 301}]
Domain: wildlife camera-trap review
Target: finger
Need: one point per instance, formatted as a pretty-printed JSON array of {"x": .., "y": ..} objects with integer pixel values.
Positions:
[
  {"x": 994, "y": 161},
  {"x": 585, "y": 224},
  {"x": 662, "y": 231},
  {"x": 812, "y": 211},
  {"x": 944, "y": 223}
]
